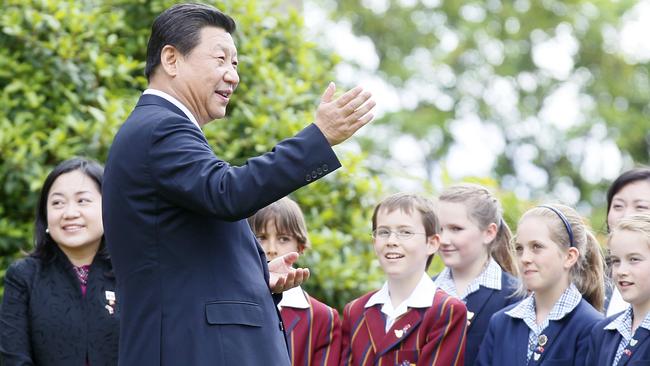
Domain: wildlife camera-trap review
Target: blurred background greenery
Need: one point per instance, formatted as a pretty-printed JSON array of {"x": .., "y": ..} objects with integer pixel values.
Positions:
[{"x": 71, "y": 71}]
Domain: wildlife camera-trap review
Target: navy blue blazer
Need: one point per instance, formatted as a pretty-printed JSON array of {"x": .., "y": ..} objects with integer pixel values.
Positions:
[
  {"x": 192, "y": 278},
  {"x": 506, "y": 341},
  {"x": 603, "y": 344},
  {"x": 483, "y": 304}
]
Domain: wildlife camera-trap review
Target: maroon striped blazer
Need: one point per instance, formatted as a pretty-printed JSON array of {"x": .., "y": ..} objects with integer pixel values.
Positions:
[
  {"x": 313, "y": 334},
  {"x": 422, "y": 336}
]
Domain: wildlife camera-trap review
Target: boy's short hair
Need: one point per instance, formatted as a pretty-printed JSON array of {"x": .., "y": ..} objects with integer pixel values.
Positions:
[
  {"x": 288, "y": 219},
  {"x": 408, "y": 203}
]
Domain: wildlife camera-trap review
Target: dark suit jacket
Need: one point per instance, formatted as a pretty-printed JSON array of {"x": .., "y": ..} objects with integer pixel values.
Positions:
[
  {"x": 192, "y": 278},
  {"x": 604, "y": 343},
  {"x": 314, "y": 334},
  {"x": 483, "y": 304},
  {"x": 506, "y": 341},
  {"x": 422, "y": 336},
  {"x": 46, "y": 321}
]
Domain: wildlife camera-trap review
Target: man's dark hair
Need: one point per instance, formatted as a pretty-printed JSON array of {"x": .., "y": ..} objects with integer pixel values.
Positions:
[
  {"x": 180, "y": 26},
  {"x": 44, "y": 246}
]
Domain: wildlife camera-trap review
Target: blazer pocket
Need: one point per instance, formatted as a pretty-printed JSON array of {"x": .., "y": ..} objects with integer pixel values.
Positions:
[
  {"x": 406, "y": 357},
  {"x": 234, "y": 312}
]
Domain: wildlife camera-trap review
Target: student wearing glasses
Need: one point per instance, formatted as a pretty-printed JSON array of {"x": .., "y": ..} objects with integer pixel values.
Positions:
[{"x": 408, "y": 321}]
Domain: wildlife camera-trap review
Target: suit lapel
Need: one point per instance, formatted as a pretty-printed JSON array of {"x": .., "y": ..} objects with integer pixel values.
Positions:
[
  {"x": 475, "y": 303},
  {"x": 640, "y": 336},
  {"x": 521, "y": 341}
]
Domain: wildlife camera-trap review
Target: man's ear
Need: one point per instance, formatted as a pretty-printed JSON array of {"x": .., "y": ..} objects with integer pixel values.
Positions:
[{"x": 169, "y": 57}]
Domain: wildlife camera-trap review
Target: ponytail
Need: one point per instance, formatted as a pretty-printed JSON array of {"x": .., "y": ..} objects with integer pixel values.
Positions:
[
  {"x": 589, "y": 278},
  {"x": 502, "y": 249}
]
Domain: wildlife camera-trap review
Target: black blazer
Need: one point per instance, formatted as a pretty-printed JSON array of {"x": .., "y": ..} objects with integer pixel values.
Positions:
[
  {"x": 46, "y": 321},
  {"x": 192, "y": 279}
]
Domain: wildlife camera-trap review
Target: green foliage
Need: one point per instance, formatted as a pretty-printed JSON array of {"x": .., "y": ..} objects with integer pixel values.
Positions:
[
  {"x": 461, "y": 50},
  {"x": 71, "y": 71}
]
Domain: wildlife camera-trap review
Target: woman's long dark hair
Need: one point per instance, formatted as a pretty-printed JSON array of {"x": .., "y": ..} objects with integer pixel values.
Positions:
[{"x": 44, "y": 246}]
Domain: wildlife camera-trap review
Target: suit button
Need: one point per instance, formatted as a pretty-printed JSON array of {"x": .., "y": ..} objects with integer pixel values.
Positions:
[
  {"x": 319, "y": 171},
  {"x": 308, "y": 178},
  {"x": 325, "y": 167},
  {"x": 314, "y": 175}
]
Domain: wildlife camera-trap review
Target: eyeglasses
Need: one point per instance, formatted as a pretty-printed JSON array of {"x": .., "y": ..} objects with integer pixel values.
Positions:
[{"x": 402, "y": 234}]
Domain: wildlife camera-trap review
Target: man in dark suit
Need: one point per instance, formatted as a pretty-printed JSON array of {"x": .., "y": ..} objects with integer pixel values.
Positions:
[{"x": 194, "y": 287}]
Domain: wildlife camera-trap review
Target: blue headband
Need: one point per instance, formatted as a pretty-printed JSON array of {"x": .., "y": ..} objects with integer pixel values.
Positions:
[{"x": 564, "y": 220}]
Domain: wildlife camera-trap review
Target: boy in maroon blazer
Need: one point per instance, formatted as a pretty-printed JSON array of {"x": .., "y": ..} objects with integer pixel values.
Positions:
[
  {"x": 313, "y": 329},
  {"x": 408, "y": 321}
]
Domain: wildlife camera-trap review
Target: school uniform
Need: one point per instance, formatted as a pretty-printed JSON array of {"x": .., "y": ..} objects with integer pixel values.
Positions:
[
  {"x": 614, "y": 303},
  {"x": 488, "y": 293},
  {"x": 428, "y": 328},
  {"x": 612, "y": 342},
  {"x": 313, "y": 329},
  {"x": 514, "y": 338}
]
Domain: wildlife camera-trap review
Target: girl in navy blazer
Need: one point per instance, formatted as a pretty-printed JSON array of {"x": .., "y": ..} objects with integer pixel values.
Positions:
[
  {"x": 624, "y": 338},
  {"x": 559, "y": 259},
  {"x": 59, "y": 306},
  {"x": 313, "y": 329},
  {"x": 475, "y": 247}
]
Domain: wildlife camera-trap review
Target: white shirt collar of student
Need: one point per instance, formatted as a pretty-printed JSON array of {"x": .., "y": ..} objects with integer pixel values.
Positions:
[
  {"x": 421, "y": 297},
  {"x": 294, "y": 298},
  {"x": 175, "y": 102},
  {"x": 489, "y": 278},
  {"x": 565, "y": 304}
]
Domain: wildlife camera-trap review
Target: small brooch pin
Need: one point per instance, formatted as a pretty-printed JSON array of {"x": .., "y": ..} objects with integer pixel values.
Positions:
[
  {"x": 110, "y": 298},
  {"x": 400, "y": 332},
  {"x": 633, "y": 342},
  {"x": 542, "y": 340}
]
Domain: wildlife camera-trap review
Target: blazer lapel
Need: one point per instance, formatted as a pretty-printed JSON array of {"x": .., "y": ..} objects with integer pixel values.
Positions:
[
  {"x": 611, "y": 340},
  {"x": 376, "y": 324},
  {"x": 546, "y": 340},
  {"x": 640, "y": 336},
  {"x": 521, "y": 342},
  {"x": 291, "y": 317},
  {"x": 400, "y": 331},
  {"x": 475, "y": 303}
]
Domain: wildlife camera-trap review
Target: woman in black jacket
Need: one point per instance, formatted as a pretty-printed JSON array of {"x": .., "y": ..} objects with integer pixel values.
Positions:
[{"x": 59, "y": 305}]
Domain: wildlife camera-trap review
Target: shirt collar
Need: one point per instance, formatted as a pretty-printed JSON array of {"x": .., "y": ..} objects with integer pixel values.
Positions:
[
  {"x": 623, "y": 322},
  {"x": 294, "y": 298},
  {"x": 421, "y": 296},
  {"x": 489, "y": 278},
  {"x": 569, "y": 299},
  {"x": 175, "y": 102}
]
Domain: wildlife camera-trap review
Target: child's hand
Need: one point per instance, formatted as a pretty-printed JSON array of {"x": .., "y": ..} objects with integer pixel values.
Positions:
[{"x": 282, "y": 276}]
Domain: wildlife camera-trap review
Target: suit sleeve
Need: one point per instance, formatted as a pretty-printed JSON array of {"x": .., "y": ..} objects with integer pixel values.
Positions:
[
  {"x": 15, "y": 345},
  {"x": 445, "y": 343},
  {"x": 346, "y": 342},
  {"x": 327, "y": 348},
  {"x": 187, "y": 172},
  {"x": 484, "y": 357}
]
